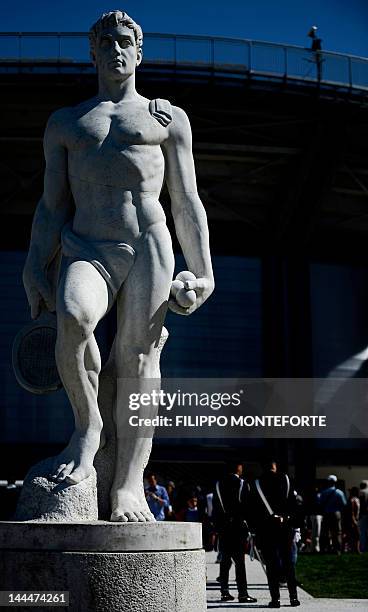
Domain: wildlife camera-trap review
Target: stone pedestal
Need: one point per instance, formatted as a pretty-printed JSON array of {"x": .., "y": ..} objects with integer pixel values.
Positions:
[{"x": 107, "y": 567}]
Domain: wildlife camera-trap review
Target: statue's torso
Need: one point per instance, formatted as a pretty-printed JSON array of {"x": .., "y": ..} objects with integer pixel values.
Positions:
[{"x": 115, "y": 169}]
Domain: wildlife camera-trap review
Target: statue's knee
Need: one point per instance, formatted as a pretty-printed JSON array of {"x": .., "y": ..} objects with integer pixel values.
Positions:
[{"x": 75, "y": 324}]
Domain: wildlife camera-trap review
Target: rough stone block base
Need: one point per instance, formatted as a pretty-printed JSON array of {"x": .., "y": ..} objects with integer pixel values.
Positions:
[{"x": 41, "y": 499}]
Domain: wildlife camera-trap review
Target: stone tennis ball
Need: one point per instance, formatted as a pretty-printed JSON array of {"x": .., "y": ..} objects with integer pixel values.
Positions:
[
  {"x": 175, "y": 286},
  {"x": 186, "y": 298},
  {"x": 185, "y": 276}
]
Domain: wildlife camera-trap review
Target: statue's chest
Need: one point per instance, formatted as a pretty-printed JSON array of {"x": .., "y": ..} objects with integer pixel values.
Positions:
[
  {"x": 117, "y": 131},
  {"x": 105, "y": 148}
]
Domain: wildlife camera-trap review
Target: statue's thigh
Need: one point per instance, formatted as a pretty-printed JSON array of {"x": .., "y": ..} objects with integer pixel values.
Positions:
[
  {"x": 142, "y": 301},
  {"x": 82, "y": 292}
]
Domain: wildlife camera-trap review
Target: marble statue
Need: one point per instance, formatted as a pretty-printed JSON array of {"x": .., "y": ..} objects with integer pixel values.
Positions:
[{"x": 106, "y": 160}]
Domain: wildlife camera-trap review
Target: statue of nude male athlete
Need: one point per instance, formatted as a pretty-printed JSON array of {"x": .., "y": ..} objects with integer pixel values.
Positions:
[{"x": 105, "y": 164}]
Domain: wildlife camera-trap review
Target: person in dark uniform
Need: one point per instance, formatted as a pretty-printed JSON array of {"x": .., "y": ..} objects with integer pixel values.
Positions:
[
  {"x": 275, "y": 514},
  {"x": 230, "y": 501}
]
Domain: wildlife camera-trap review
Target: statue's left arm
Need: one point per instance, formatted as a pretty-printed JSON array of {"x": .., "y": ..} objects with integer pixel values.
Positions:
[{"x": 188, "y": 212}]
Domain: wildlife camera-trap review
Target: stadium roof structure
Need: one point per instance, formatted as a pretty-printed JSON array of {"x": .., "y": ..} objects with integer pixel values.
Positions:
[{"x": 232, "y": 57}]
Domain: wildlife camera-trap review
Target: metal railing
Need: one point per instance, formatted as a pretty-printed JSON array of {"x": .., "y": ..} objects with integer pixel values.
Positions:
[{"x": 69, "y": 51}]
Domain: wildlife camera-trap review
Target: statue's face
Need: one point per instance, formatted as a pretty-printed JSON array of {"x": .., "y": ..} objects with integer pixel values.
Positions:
[{"x": 116, "y": 53}]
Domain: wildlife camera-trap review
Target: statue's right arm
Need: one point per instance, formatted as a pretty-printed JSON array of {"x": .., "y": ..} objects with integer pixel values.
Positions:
[{"x": 54, "y": 209}]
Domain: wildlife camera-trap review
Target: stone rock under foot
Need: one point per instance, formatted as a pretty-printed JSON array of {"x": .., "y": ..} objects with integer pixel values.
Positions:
[{"x": 42, "y": 499}]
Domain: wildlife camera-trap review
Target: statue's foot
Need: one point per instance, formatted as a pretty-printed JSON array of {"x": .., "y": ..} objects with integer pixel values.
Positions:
[
  {"x": 75, "y": 463},
  {"x": 130, "y": 507}
]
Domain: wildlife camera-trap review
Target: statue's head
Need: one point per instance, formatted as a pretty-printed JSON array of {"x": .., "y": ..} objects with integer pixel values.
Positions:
[{"x": 116, "y": 43}]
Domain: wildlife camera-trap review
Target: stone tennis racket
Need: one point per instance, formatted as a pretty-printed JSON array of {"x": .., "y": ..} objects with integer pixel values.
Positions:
[{"x": 34, "y": 355}]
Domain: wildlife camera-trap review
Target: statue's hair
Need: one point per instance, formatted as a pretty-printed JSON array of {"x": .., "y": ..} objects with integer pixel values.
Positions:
[{"x": 114, "y": 18}]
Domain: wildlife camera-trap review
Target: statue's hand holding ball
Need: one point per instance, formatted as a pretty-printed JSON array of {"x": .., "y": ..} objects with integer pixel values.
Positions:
[
  {"x": 184, "y": 297},
  {"x": 188, "y": 292}
]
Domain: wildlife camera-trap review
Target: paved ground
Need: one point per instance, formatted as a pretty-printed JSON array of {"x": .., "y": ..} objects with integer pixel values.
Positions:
[{"x": 257, "y": 587}]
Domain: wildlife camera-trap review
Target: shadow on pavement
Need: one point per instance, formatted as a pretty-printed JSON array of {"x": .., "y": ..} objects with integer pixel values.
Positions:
[{"x": 218, "y": 605}]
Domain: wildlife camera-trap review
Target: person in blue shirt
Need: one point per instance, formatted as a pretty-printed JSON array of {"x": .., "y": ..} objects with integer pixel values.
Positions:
[
  {"x": 332, "y": 502},
  {"x": 157, "y": 497}
]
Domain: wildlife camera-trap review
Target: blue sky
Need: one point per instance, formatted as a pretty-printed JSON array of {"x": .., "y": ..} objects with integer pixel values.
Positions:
[{"x": 343, "y": 24}]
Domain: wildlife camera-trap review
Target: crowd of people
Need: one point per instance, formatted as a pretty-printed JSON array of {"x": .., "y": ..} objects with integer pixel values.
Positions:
[
  {"x": 335, "y": 523},
  {"x": 268, "y": 519}
]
